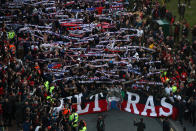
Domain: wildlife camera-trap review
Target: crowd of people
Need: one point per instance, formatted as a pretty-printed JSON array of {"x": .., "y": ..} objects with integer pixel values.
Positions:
[{"x": 53, "y": 49}]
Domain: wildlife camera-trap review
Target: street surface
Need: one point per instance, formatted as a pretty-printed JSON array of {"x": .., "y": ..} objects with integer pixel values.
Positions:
[{"x": 120, "y": 121}]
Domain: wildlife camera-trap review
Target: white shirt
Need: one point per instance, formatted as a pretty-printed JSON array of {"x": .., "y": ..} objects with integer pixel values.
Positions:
[
  {"x": 168, "y": 90},
  {"x": 140, "y": 33},
  {"x": 37, "y": 128},
  {"x": 136, "y": 55}
]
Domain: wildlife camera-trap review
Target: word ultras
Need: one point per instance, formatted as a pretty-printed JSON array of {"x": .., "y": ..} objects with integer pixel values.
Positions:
[{"x": 135, "y": 103}]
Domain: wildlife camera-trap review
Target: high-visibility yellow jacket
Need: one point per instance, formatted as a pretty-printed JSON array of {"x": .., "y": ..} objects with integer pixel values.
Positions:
[
  {"x": 46, "y": 84},
  {"x": 83, "y": 129}
]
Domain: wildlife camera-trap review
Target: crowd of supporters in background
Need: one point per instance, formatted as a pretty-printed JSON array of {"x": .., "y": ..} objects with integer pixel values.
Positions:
[{"x": 43, "y": 59}]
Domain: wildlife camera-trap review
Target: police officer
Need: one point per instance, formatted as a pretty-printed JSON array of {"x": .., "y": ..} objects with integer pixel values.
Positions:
[
  {"x": 73, "y": 118},
  {"x": 82, "y": 126}
]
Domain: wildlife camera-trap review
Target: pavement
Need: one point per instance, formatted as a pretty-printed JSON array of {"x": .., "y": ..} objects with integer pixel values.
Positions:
[
  {"x": 116, "y": 120},
  {"x": 123, "y": 121},
  {"x": 178, "y": 127},
  {"x": 120, "y": 121}
]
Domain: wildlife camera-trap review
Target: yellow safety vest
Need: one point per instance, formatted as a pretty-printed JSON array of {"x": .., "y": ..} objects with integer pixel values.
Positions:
[
  {"x": 83, "y": 129},
  {"x": 174, "y": 89},
  {"x": 75, "y": 118},
  {"x": 11, "y": 34},
  {"x": 51, "y": 89},
  {"x": 46, "y": 84}
]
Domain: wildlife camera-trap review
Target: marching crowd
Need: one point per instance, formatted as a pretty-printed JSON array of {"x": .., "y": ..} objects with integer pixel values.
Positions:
[{"x": 53, "y": 49}]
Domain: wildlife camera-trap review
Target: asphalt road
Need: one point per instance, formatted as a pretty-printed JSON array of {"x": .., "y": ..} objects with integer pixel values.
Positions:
[
  {"x": 123, "y": 121},
  {"x": 120, "y": 121}
]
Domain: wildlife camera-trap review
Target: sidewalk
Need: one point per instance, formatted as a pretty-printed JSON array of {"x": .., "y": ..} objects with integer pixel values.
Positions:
[{"x": 178, "y": 127}]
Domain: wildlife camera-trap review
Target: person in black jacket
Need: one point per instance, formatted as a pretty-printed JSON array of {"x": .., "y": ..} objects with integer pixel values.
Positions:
[
  {"x": 188, "y": 2},
  {"x": 140, "y": 125},
  {"x": 7, "y": 112},
  {"x": 192, "y": 108},
  {"x": 100, "y": 124},
  {"x": 181, "y": 10},
  {"x": 194, "y": 33},
  {"x": 166, "y": 126}
]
